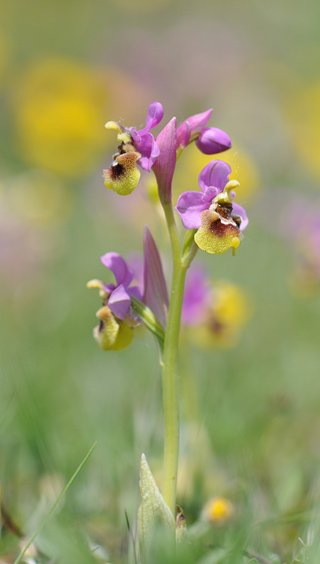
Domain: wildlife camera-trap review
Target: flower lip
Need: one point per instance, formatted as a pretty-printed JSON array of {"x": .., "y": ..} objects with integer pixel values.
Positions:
[
  {"x": 123, "y": 176},
  {"x": 218, "y": 231},
  {"x": 112, "y": 334}
]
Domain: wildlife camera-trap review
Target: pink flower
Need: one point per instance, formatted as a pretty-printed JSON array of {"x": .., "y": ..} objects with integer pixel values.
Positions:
[{"x": 212, "y": 211}]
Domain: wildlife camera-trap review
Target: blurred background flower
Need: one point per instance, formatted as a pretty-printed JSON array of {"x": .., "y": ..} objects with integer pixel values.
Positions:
[{"x": 213, "y": 312}]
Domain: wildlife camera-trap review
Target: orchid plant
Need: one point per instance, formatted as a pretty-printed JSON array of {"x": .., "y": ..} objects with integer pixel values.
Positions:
[{"x": 214, "y": 223}]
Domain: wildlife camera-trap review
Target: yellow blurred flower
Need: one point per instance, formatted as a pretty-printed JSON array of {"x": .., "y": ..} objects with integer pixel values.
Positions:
[
  {"x": 218, "y": 511},
  {"x": 193, "y": 161},
  {"x": 60, "y": 111},
  {"x": 303, "y": 114},
  {"x": 231, "y": 304},
  {"x": 229, "y": 311}
]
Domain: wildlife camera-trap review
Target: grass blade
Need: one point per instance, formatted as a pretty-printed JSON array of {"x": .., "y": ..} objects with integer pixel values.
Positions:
[{"x": 51, "y": 510}]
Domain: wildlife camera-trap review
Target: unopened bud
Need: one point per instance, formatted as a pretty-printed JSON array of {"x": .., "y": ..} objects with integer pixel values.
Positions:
[{"x": 213, "y": 140}]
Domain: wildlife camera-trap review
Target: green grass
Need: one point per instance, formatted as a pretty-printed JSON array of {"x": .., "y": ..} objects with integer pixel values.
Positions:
[{"x": 258, "y": 414}]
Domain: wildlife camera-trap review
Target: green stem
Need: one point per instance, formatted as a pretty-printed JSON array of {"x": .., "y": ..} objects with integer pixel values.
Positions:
[{"x": 169, "y": 366}]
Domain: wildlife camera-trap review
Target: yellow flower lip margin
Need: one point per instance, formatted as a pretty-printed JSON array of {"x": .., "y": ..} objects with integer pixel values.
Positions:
[
  {"x": 216, "y": 236},
  {"x": 112, "y": 334}
]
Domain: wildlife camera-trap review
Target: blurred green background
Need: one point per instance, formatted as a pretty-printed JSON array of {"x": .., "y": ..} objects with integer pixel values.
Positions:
[{"x": 251, "y": 430}]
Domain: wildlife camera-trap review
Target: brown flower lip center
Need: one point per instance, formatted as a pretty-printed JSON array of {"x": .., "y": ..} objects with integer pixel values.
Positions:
[
  {"x": 123, "y": 162},
  {"x": 225, "y": 223},
  {"x": 117, "y": 170},
  {"x": 221, "y": 229}
]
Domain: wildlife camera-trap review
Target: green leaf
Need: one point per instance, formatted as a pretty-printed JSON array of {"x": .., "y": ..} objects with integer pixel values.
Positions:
[{"x": 153, "y": 509}]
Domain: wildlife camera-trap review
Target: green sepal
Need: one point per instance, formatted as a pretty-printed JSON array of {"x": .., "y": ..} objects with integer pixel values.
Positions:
[
  {"x": 153, "y": 509},
  {"x": 149, "y": 319},
  {"x": 189, "y": 248}
]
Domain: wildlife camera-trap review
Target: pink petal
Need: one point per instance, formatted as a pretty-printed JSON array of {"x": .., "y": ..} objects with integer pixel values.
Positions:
[
  {"x": 196, "y": 124},
  {"x": 216, "y": 174},
  {"x": 145, "y": 145},
  {"x": 119, "y": 302},
  {"x": 189, "y": 207},
  {"x": 136, "y": 292},
  {"x": 119, "y": 267},
  {"x": 197, "y": 297},
  {"x": 241, "y": 212},
  {"x": 165, "y": 164},
  {"x": 154, "y": 116}
]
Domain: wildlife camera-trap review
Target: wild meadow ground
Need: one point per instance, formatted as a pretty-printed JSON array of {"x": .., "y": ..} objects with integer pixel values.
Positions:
[{"x": 249, "y": 429}]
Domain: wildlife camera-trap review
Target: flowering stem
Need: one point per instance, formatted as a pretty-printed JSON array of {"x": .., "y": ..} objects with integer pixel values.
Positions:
[{"x": 169, "y": 366}]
